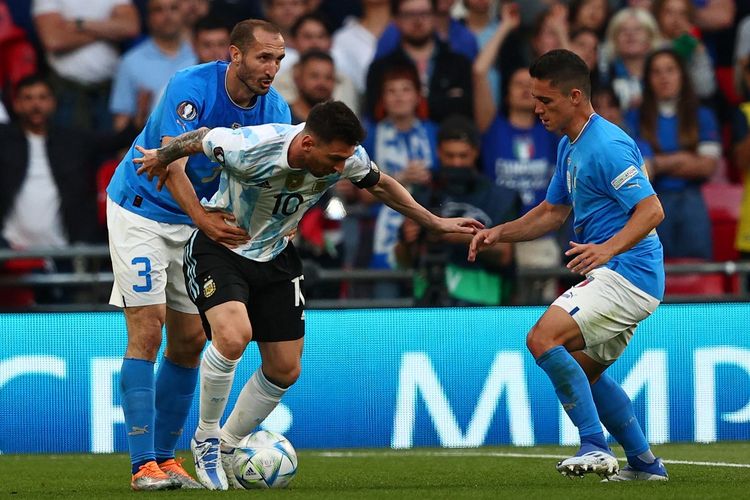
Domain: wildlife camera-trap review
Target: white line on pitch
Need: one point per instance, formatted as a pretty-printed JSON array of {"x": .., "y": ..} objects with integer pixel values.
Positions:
[{"x": 366, "y": 454}]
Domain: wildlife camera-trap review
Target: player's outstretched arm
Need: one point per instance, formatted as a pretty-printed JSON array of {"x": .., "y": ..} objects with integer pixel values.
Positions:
[
  {"x": 647, "y": 214},
  {"x": 392, "y": 193},
  {"x": 155, "y": 162},
  {"x": 538, "y": 221}
]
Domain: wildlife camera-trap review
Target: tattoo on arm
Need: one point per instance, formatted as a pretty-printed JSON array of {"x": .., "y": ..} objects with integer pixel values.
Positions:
[{"x": 183, "y": 145}]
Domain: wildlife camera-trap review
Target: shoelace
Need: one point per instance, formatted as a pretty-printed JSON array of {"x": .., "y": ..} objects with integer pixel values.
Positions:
[{"x": 209, "y": 454}]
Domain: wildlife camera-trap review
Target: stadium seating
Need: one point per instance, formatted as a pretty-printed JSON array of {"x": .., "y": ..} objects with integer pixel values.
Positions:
[
  {"x": 694, "y": 284},
  {"x": 723, "y": 203}
]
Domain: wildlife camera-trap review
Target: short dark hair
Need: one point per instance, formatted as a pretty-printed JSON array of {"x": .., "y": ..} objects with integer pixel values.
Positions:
[
  {"x": 396, "y": 6},
  {"x": 606, "y": 90},
  {"x": 314, "y": 55},
  {"x": 211, "y": 23},
  {"x": 31, "y": 80},
  {"x": 458, "y": 128},
  {"x": 314, "y": 17},
  {"x": 243, "y": 33},
  {"x": 333, "y": 120},
  {"x": 564, "y": 69}
]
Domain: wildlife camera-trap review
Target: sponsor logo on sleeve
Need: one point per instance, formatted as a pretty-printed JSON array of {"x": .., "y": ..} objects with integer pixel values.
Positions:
[
  {"x": 624, "y": 177},
  {"x": 187, "y": 111}
]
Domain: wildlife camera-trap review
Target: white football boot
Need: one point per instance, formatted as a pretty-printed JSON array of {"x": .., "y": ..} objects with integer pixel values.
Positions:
[
  {"x": 649, "y": 472},
  {"x": 208, "y": 467},
  {"x": 593, "y": 462},
  {"x": 227, "y": 463}
]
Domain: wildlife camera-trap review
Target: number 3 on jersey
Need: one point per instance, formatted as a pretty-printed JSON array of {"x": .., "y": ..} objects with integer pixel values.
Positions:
[
  {"x": 145, "y": 271},
  {"x": 287, "y": 203}
]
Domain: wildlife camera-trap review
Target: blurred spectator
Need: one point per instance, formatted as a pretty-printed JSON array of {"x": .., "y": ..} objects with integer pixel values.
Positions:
[
  {"x": 550, "y": 31},
  {"x": 192, "y": 12},
  {"x": 146, "y": 68},
  {"x": 585, "y": 43},
  {"x": 713, "y": 15},
  {"x": 742, "y": 55},
  {"x": 741, "y": 141},
  {"x": 631, "y": 35},
  {"x": 17, "y": 55},
  {"x": 354, "y": 44},
  {"x": 447, "y": 29},
  {"x": 685, "y": 139},
  {"x": 211, "y": 39},
  {"x": 588, "y": 14},
  {"x": 284, "y": 13},
  {"x": 519, "y": 154},
  {"x": 315, "y": 80},
  {"x": 403, "y": 146},
  {"x": 80, "y": 38},
  {"x": 311, "y": 32},
  {"x": 481, "y": 20},
  {"x": 676, "y": 18},
  {"x": 485, "y": 89},
  {"x": 48, "y": 173},
  {"x": 447, "y": 278},
  {"x": 445, "y": 76}
]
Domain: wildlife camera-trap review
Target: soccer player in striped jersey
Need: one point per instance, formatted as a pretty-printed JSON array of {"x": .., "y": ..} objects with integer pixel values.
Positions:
[
  {"x": 148, "y": 230},
  {"x": 271, "y": 175},
  {"x": 600, "y": 176}
]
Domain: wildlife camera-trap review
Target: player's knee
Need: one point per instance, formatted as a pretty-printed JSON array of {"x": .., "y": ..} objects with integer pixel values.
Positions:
[
  {"x": 538, "y": 343},
  {"x": 144, "y": 339},
  {"x": 231, "y": 340},
  {"x": 187, "y": 351},
  {"x": 283, "y": 374}
]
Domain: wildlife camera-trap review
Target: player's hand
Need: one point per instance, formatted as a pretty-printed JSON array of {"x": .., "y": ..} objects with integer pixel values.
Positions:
[
  {"x": 216, "y": 225},
  {"x": 463, "y": 225},
  {"x": 588, "y": 256},
  {"x": 150, "y": 164},
  {"x": 483, "y": 239}
]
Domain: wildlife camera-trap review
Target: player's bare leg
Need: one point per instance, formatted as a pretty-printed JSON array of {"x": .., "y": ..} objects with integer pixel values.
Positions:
[
  {"x": 137, "y": 389},
  {"x": 550, "y": 340},
  {"x": 230, "y": 333}
]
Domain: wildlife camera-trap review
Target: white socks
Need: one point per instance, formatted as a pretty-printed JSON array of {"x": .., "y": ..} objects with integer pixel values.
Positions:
[
  {"x": 216, "y": 377},
  {"x": 256, "y": 401}
]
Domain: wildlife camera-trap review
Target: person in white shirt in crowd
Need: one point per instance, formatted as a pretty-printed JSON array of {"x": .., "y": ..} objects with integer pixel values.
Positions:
[
  {"x": 80, "y": 38},
  {"x": 354, "y": 43},
  {"x": 312, "y": 32}
]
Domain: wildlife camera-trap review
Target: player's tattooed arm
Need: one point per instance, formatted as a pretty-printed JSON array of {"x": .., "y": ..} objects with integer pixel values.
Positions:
[
  {"x": 183, "y": 145},
  {"x": 155, "y": 162}
]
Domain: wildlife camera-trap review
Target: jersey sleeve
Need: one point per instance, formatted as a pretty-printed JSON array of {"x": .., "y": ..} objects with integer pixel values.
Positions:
[
  {"x": 227, "y": 147},
  {"x": 360, "y": 170},
  {"x": 621, "y": 172},
  {"x": 557, "y": 192},
  {"x": 182, "y": 106}
]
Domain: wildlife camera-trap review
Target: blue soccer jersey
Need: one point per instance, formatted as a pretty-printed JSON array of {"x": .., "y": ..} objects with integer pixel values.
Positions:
[
  {"x": 601, "y": 175},
  {"x": 195, "y": 97}
]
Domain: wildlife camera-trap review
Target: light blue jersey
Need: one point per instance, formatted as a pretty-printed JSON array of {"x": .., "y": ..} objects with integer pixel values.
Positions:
[
  {"x": 266, "y": 195},
  {"x": 601, "y": 175},
  {"x": 195, "y": 97}
]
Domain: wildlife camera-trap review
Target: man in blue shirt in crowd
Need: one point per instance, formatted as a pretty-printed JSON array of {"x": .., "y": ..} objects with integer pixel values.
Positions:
[
  {"x": 148, "y": 230},
  {"x": 599, "y": 174}
]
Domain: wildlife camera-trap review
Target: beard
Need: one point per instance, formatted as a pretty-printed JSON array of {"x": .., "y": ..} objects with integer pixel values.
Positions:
[
  {"x": 252, "y": 84},
  {"x": 417, "y": 41},
  {"x": 313, "y": 98}
]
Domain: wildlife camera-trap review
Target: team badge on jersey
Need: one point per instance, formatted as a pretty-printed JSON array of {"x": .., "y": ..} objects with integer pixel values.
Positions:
[
  {"x": 209, "y": 287},
  {"x": 187, "y": 111},
  {"x": 236, "y": 125},
  {"x": 320, "y": 186},
  {"x": 294, "y": 181},
  {"x": 219, "y": 154}
]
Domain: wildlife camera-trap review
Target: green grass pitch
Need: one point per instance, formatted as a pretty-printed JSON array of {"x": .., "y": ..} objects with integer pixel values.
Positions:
[{"x": 720, "y": 470}]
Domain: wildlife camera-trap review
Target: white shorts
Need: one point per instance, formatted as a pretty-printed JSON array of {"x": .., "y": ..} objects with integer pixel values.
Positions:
[
  {"x": 607, "y": 308},
  {"x": 147, "y": 261}
]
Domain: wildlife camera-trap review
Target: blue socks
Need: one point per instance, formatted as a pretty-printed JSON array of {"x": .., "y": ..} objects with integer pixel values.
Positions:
[
  {"x": 137, "y": 392},
  {"x": 175, "y": 386},
  {"x": 616, "y": 413},
  {"x": 574, "y": 392}
]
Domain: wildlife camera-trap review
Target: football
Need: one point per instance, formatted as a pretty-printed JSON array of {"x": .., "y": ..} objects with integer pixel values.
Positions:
[{"x": 264, "y": 459}]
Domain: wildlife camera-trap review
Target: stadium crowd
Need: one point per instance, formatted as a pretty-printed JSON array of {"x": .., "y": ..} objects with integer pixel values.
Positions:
[{"x": 443, "y": 89}]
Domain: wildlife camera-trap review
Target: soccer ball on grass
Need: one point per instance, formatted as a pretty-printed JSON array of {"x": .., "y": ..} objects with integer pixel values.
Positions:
[{"x": 264, "y": 459}]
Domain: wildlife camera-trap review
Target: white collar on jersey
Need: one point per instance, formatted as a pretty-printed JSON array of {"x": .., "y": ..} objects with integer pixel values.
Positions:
[{"x": 583, "y": 128}]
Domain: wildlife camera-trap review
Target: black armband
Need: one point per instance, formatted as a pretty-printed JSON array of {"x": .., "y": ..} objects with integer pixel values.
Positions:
[{"x": 369, "y": 180}]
